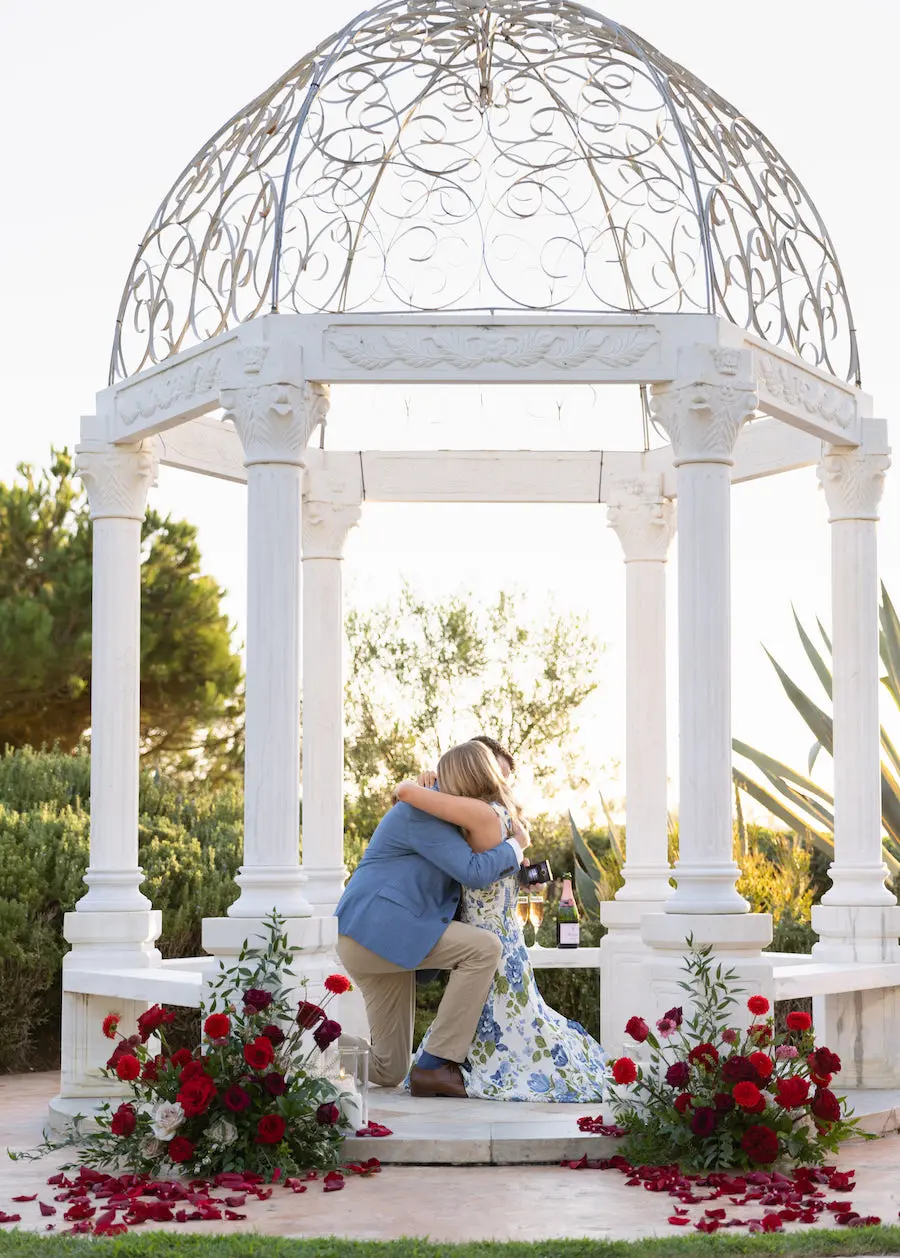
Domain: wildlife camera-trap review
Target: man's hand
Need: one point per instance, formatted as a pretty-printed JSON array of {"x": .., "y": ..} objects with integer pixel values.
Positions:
[
  {"x": 427, "y": 779},
  {"x": 395, "y": 793}
]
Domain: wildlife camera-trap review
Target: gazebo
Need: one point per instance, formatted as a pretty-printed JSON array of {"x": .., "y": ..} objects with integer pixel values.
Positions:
[{"x": 487, "y": 191}]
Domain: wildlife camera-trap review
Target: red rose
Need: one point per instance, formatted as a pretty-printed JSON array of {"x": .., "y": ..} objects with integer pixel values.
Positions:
[
  {"x": 150, "y": 1021},
  {"x": 193, "y": 1070},
  {"x": 758, "y": 1005},
  {"x": 824, "y": 1062},
  {"x": 792, "y": 1092},
  {"x": 150, "y": 1071},
  {"x": 123, "y": 1049},
  {"x": 180, "y": 1150},
  {"x": 821, "y": 1081},
  {"x": 338, "y": 984},
  {"x": 274, "y": 1034},
  {"x": 181, "y": 1057},
  {"x": 236, "y": 1098},
  {"x": 825, "y": 1106},
  {"x": 274, "y": 1083},
  {"x": 724, "y": 1102},
  {"x": 760, "y": 1144},
  {"x": 675, "y": 1014},
  {"x": 259, "y": 1055},
  {"x": 270, "y": 1129},
  {"x": 326, "y": 1033},
  {"x": 196, "y": 1095},
  {"x": 255, "y": 1000},
  {"x": 624, "y": 1070},
  {"x": 111, "y": 1025},
  {"x": 704, "y": 1121},
  {"x": 704, "y": 1055},
  {"x": 683, "y": 1102},
  {"x": 327, "y": 1114},
  {"x": 217, "y": 1026},
  {"x": 637, "y": 1028},
  {"x": 128, "y": 1068},
  {"x": 308, "y": 1015},
  {"x": 798, "y": 1021},
  {"x": 747, "y": 1095},
  {"x": 737, "y": 1069},
  {"x": 123, "y": 1121},
  {"x": 678, "y": 1074},
  {"x": 762, "y": 1063}
]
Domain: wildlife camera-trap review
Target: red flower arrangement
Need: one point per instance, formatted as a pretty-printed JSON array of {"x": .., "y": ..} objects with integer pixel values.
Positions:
[
  {"x": 250, "y": 1099},
  {"x": 713, "y": 1096}
]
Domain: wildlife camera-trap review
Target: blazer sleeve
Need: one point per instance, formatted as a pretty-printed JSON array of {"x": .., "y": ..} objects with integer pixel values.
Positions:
[{"x": 447, "y": 849}]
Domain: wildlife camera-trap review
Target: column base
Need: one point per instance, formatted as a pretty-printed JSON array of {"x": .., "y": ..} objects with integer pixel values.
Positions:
[
  {"x": 113, "y": 891},
  {"x": 707, "y": 891},
  {"x": 324, "y": 887},
  {"x": 268, "y": 888},
  {"x": 647, "y": 885},
  {"x": 624, "y": 988},
  {"x": 856, "y": 933},
  {"x": 858, "y": 886}
]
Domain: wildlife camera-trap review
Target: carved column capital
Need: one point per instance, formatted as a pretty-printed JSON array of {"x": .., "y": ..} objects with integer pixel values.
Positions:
[
  {"x": 275, "y": 421},
  {"x": 702, "y": 411},
  {"x": 853, "y": 481},
  {"x": 643, "y": 520},
  {"x": 117, "y": 479},
  {"x": 326, "y": 526}
]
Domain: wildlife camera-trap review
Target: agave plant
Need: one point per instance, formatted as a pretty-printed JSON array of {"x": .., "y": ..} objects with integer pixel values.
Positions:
[{"x": 795, "y": 798}]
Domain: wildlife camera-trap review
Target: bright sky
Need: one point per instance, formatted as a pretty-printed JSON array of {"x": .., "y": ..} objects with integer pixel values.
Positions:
[{"x": 105, "y": 103}]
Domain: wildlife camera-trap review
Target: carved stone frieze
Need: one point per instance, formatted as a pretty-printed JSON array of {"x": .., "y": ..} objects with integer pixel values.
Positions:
[
  {"x": 171, "y": 389},
  {"x": 117, "y": 480},
  {"x": 642, "y": 519},
  {"x": 423, "y": 348},
  {"x": 853, "y": 481},
  {"x": 789, "y": 383},
  {"x": 326, "y": 526},
  {"x": 702, "y": 412},
  {"x": 275, "y": 421}
]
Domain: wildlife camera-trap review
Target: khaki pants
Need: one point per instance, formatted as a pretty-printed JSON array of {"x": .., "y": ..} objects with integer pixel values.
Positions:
[{"x": 469, "y": 953}]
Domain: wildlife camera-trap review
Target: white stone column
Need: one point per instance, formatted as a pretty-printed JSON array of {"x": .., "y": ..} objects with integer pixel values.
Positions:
[
  {"x": 328, "y": 518},
  {"x": 644, "y": 522}
]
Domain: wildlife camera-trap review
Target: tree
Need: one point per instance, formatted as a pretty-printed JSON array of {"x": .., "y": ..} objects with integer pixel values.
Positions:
[
  {"x": 191, "y": 680},
  {"x": 423, "y": 675}
]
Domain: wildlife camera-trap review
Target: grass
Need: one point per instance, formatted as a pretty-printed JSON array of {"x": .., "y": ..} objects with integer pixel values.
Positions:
[{"x": 815, "y": 1243}]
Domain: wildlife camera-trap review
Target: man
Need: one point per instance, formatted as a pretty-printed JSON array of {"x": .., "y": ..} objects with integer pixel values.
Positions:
[
  {"x": 505, "y": 762},
  {"x": 396, "y": 916}
]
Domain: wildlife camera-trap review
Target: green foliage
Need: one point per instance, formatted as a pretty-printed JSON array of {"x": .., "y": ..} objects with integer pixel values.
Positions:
[
  {"x": 191, "y": 702},
  {"x": 776, "y": 878}
]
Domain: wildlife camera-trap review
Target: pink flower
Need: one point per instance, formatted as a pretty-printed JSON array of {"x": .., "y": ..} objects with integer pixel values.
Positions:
[
  {"x": 730, "y": 1035},
  {"x": 785, "y": 1052},
  {"x": 666, "y": 1026}
]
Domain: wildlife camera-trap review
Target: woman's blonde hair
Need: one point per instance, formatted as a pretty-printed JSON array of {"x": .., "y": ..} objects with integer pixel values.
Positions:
[{"x": 471, "y": 770}]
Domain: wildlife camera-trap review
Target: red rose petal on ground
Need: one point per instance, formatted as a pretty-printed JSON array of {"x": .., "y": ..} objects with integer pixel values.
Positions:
[
  {"x": 232, "y": 1217},
  {"x": 10, "y": 1218},
  {"x": 707, "y": 1225},
  {"x": 46, "y": 1210},
  {"x": 334, "y": 1182},
  {"x": 31, "y": 1198},
  {"x": 236, "y": 1201},
  {"x": 714, "y": 1214},
  {"x": 678, "y": 1220}
]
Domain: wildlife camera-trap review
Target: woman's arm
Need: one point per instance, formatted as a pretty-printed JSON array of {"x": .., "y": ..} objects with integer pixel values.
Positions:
[{"x": 483, "y": 828}]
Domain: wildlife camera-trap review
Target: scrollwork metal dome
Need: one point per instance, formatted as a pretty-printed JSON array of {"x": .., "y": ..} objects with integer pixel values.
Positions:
[{"x": 441, "y": 155}]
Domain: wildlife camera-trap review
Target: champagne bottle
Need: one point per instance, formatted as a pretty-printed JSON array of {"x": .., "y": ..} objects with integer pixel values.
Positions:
[{"x": 568, "y": 930}]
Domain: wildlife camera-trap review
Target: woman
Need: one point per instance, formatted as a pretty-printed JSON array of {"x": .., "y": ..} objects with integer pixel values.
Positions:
[{"x": 523, "y": 1050}]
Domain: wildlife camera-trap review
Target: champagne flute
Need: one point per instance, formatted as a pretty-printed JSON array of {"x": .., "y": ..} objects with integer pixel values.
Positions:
[
  {"x": 536, "y": 911},
  {"x": 523, "y": 908}
]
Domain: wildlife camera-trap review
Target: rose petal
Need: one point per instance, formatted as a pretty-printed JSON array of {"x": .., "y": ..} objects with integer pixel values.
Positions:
[
  {"x": 678, "y": 1220},
  {"x": 232, "y": 1217},
  {"x": 31, "y": 1198},
  {"x": 46, "y": 1210}
]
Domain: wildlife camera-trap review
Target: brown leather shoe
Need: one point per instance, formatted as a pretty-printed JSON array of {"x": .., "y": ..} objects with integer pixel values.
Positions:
[{"x": 446, "y": 1080}]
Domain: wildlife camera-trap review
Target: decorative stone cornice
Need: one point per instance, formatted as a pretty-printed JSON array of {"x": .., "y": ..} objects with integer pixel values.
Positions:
[
  {"x": 275, "y": 421},
  {"x": 643, "y": 520},
  {"x": 326, "y": 526},
  {"x": 117, "y": 479},
  {"x": 702, "y": 411},
  {"x": 853, "y": 481}
]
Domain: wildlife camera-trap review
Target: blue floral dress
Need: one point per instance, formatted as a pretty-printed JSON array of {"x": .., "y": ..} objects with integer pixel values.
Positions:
[{"x": 523, "y": 1050}]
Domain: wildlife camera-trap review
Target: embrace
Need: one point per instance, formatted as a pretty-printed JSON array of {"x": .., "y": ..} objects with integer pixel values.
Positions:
[{"x": 449, "y": 848}]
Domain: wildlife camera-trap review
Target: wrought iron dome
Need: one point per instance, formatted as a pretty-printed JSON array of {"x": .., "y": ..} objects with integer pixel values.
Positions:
[{"x": 486, "y": 155}]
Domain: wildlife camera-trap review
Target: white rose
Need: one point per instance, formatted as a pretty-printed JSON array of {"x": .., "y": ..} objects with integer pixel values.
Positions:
[
  {"x": 165, "y": 1119},
  {"x": 150, "y": 1147},
  {"x": 222, "y": 1132}
]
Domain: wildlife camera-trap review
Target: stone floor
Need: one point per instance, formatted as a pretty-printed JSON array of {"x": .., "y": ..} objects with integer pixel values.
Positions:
[{"x": 445, "y": 1203}]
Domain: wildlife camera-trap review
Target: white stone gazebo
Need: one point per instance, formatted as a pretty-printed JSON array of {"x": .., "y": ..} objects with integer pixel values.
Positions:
[{"x": 492, "y": 192}]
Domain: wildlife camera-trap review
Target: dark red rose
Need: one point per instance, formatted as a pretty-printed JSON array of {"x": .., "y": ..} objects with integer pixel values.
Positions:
[
  {"x": 822, "y": 1061},
  {"x": 821, "y": 1081},
  {"x": 704, "y": 1055},
  {"x": 274, "y": 1083},
  {"x": 624, "y": 1070},
  {"x": 758, "y": 1005},
  {"x": 328, "y": 1114},
  {"x": 337, "y": 984},
  {"x": 724, "y": 1102},
  {"x": 259, "y": 1055},
  {"x": 326, "y": 1033},
  {"x": 678, "y": 1074},
  {"x": 181, "y": 1057},
  {"x": 737, "y": 1069},
  {"x": 760, "y": 1144},
  {"x": 637, "y": 1028},
  {"x": 676, "y": 1015},
  {"x": 150, "y": 1021},
  {"x": 270, "y": 1129},
  {"x": 255, "y": 999},
  {"x": 193, "y": 1070},
  {"x": 217, "y": 1026},
  {"x": 150, "y": 1070},
  {"x": 128, "y": 1067},
  {"x": 683, "y": 1102},
  {"x": 792, "y": 1092},
  {"x": 825, "y": 1106},
  {"x": 798, "y": 1021},
  {"x": 704, "y": 1121},
  {"x": 762, "y": 1063},
  {"x": 124, "y": 1048},
  {"x": 123, "y": 1121},
  {"x": 236, "y": 1098},
  {"x": 180, "y": 1150},
  {"x": 747, "y": 1095},
  {"x": 309, "y": 1015},
  {"x": 196, "y": 1095},
  {"x": 273, "y": 1034}
]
